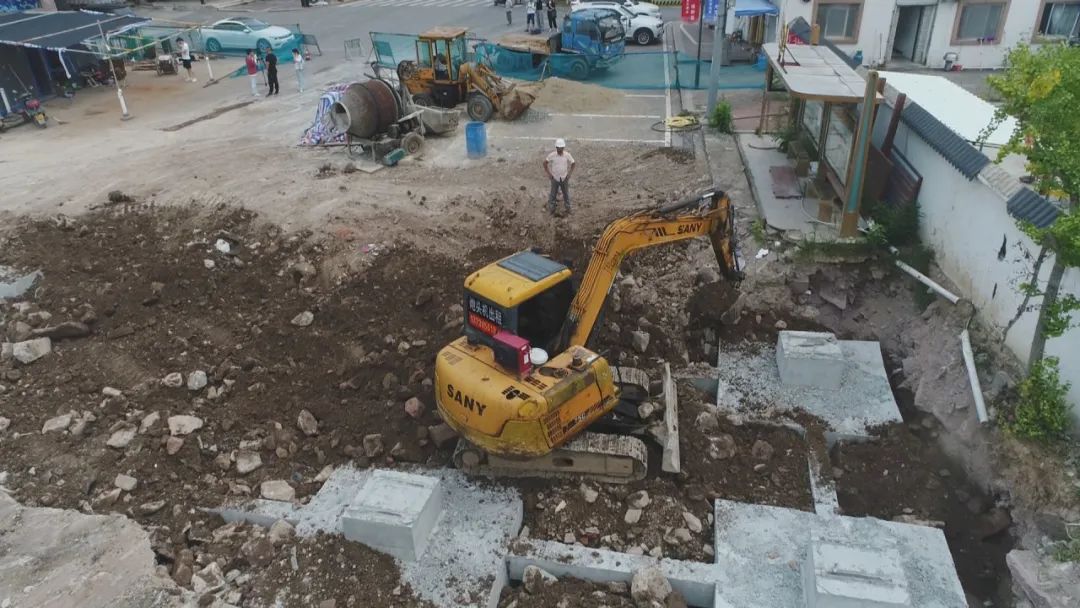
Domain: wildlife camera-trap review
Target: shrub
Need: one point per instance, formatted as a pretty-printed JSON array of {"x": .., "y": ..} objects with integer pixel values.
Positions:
[
  {"x": 720, "y": 118},
  {"x": 899, "y": 223},
  {"x": 1042, "y": 413}
]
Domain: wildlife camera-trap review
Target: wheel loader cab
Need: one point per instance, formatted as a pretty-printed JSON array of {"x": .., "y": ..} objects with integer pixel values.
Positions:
[
  {"x": 517, "y": 304},
  {"x": 440, "y": 53}
]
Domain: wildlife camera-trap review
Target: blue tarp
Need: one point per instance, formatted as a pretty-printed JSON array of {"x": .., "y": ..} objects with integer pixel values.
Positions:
[{"x": 753, "y": 8}]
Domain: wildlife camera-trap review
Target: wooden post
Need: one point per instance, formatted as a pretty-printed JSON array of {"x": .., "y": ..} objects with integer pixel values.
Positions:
[
  {"x": 849, "y": 227},
  {"x": 826, "y": 115},
  {"x": 765, "y": 99},
  {"x": 815, "y": 34},
  {"x": 894, "y": 122}
]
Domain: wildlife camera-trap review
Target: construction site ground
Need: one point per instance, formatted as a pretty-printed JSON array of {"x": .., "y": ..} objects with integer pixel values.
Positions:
[{"x": 378, "y": 260}]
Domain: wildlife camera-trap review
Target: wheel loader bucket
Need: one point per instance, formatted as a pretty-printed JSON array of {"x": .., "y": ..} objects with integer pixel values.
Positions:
[{"x": 515, "y": 101}]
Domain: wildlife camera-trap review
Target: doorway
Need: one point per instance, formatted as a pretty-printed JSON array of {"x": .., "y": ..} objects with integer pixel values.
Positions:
[{"x": 911, "y": 33}]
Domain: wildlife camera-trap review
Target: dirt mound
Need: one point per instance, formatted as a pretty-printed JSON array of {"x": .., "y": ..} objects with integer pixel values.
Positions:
[{"x": 560, "y": 95}]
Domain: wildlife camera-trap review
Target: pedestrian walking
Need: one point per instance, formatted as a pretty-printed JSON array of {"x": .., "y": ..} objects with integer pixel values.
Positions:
[
  {"x": 539, "y": 13},
  {"x": 552, "y": 15},
  {"x": 253, "y": 72},
  {"x": 559, "y": 166},
  {"x": 530, "y": 15},
  {"x": 509, "y": 12},
  {"x": 271, "y": 73},
  {"x": 185, "y": 58},
  {"x": 298, "y": 63}
]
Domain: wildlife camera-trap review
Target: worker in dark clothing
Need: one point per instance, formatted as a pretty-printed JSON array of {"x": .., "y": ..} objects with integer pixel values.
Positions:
[
  {"x": 271, "y": 73},
  {"x": 552, "y": 15}
]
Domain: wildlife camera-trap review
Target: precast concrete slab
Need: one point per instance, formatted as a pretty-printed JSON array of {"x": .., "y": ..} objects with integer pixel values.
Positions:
[
  {"x": 749, "y": 382},
  {"x": 394, "y": 512},
  {"x": 466, "y": 551},
  {"x": 854, "y": 561},
  {"x": 809, "y": 358}
]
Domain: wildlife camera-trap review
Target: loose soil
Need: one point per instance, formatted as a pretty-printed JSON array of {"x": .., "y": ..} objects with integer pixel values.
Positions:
[{"x": 568, "y": 593}]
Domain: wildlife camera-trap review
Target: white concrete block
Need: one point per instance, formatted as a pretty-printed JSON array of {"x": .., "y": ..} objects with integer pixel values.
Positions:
[
  {"x": 394, "y": 513},
  {"x": 844, "y": 576},
  {"x": 807, "y": 358}
]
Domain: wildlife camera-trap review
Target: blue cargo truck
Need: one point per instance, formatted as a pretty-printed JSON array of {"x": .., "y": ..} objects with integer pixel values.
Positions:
[{"x": 590, "y": 40}]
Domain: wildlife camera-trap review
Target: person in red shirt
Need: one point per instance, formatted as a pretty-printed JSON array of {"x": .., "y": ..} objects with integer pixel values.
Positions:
[{"x": 253, "y": 72}]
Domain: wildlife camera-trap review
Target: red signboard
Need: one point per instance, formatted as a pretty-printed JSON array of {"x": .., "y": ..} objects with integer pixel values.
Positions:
[{"x": 691, "y": 10}]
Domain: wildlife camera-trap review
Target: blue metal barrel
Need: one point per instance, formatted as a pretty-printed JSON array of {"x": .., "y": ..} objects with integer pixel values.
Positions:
[{"x": 476, "y": 139}]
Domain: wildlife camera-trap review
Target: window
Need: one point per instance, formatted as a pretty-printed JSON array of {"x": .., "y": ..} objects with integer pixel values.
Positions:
[
  {"x": 979, "y": 21},
  {"x": 839, "y": 19},
  {"x": 1060, "y": 19}
]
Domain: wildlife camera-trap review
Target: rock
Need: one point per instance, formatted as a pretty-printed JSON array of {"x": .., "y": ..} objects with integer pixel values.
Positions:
[
  {"x": 28, "y": 351},
  {"x": 442, "y": 434},
  {"x": 680, "y": 536},
  {"x": 325, "y": 473},
  {"x": 182, "y": 574},
  {"x": 390, "y": 380},
  {"x": 534, "y": 579},
  {"x": 639, "y": 499},
  {"x": 57, "y": 424},
  {"x": 277, "y": 489},
  {"x": 373, "y": 445},
  {"x": 108, "y": 499},
  {"x": 722, "y": 447},
  {"x": 126, "y": 483},
  {"x": 150, "y": 422},
  {"x": 223, "y": 461},
  {"x": 781, "y": 324},
  {"x": 281, "y": 532},
  {"x": 646, "y": 410},
  {"x": 303, "y": 270},
  {"x": 307, "y": 423},
  {"x": 303, "y": 319},
  {"x": 649, "y": 585},
  {"x": 208, "y": 580},
  {"x": 639, "y": 340},
  {"x": 1050, "y": 524},
  {"x": 19, "y": 331},
  {"x": 5, "y": 424},
  {"x": 994, "y": 522},
  {"x": 1042, "y": 581},
  {"x": 149, "y": 508},
  {"x": 414, "y": 408},
  {"x": 259, "y": 552},
  {"x": 632, "y": 516},
  {"x": 184, "y": 425},
  {"x": 569, "y": 538},
  {"x": 64, "y": 331},
  {"x": 173, "y": 380},
  {"x": 761, "y": 450},
  {"x": 122, "y": 436},
  {"x": 706, "y": 422},
  {"x": 196, "y": 380},
  {"x": 173, "y": 445},
  {"x": 590, "y": 495},
  {"x": 7, "y": 351},
  {"x": 247, "y": 461},
  {"x": 706, "y": 275},
  {"x": 692, "y": 522}
]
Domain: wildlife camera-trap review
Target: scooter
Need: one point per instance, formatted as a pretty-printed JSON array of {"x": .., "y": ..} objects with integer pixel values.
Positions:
[{"x": 30, "y": 112}]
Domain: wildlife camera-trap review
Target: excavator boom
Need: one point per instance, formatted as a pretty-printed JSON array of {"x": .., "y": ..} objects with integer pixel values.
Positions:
[{"x": 705, "y": 214}]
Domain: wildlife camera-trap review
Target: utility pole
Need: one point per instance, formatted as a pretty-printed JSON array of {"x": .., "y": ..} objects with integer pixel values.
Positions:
[
  {"x": 124, "y": 115},
  {"x": 700, "y": 29},
  {"x": 719, "y": 56}
]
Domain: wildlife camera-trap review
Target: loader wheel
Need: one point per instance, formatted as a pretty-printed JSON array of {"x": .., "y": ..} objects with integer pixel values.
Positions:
[
  {"x": 578, "y": 70},
  {"x": 480, "y": 107},
  {"x": 413, "y": 143}
]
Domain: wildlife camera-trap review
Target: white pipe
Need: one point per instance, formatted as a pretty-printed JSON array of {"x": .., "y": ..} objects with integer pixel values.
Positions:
[
  {"x": 973, "y": 376},
  {"x": 7, "y": 104},
  {"x": 925, "y": 280},
  {"x": 209, "y": 68}
]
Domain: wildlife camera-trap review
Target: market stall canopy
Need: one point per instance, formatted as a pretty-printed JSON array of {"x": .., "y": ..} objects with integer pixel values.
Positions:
[
  {"x": 816, "y": 72},
  {"x": 62, "y": 29},
  {"x": 753, "y": 8}
]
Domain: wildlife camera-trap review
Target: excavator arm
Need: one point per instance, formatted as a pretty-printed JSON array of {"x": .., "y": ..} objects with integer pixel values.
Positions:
[{"x": 709, "y": 214}]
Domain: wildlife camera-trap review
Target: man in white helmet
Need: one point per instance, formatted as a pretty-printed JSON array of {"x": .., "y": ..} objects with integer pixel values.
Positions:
[{"x": 559, "y": 166}]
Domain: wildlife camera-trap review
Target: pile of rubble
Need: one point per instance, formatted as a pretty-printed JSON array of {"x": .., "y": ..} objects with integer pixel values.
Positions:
[{"x": 541, "y": 589}]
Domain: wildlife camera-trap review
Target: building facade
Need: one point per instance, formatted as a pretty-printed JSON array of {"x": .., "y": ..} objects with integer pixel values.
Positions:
[{"x": 974, "y": 34}]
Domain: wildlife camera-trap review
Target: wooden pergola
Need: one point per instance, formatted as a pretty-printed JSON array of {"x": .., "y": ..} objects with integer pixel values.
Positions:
[{"x": 827, "y": 92}]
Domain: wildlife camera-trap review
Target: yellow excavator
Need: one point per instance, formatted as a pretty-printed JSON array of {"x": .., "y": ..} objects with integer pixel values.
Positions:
[{"x": 522, "y": 412}]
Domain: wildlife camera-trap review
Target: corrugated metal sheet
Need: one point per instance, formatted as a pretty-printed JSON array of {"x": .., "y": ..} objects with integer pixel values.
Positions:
[
  {"x": 960, "y": 154},
  {"x": 1027, "y": 206}
]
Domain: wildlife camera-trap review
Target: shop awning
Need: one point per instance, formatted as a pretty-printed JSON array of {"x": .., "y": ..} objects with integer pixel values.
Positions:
[
  {"x": 753, "y": 8},
  {"x": 62, "y": 29}
]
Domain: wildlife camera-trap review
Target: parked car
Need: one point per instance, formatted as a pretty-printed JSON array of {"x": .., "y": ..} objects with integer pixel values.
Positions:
[
  {"x": 242, "y": 33},
  {"x": 642, "y": 29},
  {"x": 634, "y": 6}
]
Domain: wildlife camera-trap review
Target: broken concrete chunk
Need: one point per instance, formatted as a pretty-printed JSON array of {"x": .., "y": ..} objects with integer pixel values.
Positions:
[
  {"x": 64, "y": 331},
  {"x": 534, "y": 579},
  {"x": 247, "y": 461},
  {"x": 122, "y": 436},
  {"x": 31, "y": 350},
  {"x": 150, "y": 422},
  {"x": 57, "y": 424},
  {"x": 414, "y": 408},
  {"x": 373, "y": 445},
  {"x": 632, "y": 516},
  {"x": 590, "y": 495},
  {"x": 277, "y": 489},
  {"x": 5, "y": 423},
  {"x": 196, "y": 380},
  {"x": 692, "y": 522},
  {"x": 639, "y": 499},
  {"x": 761, "y": 450},
  {"x": 640, "y": 340},
  {"x": 173, "y": 445},
  {"x": 126, "y": 483},
  {"x": 307, "y": 423},
  {"x": 173, "y": 380},
  {"x": 183, "y": 425},
  {"x": 722, "y": 447},
  {"x": 442, "y": 434},
  {"x": 303, "y": 319},
  {"x": 281, "y": 532},
  {"x": 149, "y": 508}
]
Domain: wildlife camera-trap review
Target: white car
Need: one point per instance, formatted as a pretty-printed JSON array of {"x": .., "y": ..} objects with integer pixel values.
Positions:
[
  {"x": 638, "y": 8},
  {"x": 642, "y": 29},
  {"x": 243, "y": 33}
]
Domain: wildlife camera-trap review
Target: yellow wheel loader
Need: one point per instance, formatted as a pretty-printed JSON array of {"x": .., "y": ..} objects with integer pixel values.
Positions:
[
  {"x": 442, "y": 77},
  {"x": 521, "y": 385}
]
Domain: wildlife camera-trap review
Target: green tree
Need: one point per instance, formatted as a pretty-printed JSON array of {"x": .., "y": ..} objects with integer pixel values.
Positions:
[{"x": 1041, "y": 90}]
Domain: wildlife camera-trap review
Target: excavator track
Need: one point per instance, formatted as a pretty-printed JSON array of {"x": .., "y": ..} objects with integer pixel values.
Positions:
[{"x": 605, "y": 458}]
